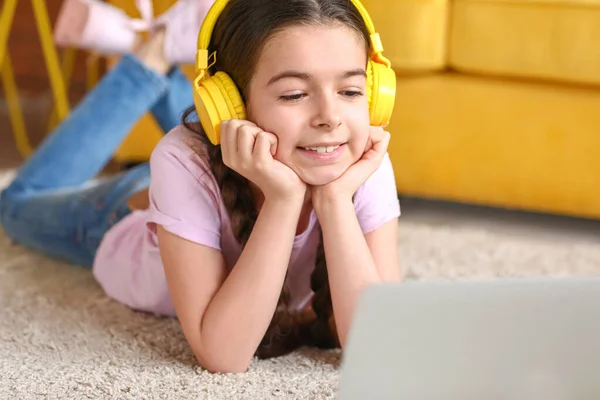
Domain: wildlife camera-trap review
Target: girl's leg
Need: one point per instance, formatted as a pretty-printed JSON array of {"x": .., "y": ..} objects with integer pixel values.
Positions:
[
  {"x": 169, "y": 109},
  {"x": 53, "y": 206},
  {"x": 83, "y": 144},
  {"x": 69, "y": 223}
]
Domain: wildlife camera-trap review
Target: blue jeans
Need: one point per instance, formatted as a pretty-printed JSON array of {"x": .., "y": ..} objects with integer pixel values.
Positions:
[{"x": 53, "y": 205}]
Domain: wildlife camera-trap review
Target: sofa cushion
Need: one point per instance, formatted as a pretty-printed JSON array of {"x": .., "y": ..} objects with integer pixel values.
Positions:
[
  {"x": 548, "y": 39},
  {"x": 414, "y": 32},
  {"x": 498, "y": 142}
]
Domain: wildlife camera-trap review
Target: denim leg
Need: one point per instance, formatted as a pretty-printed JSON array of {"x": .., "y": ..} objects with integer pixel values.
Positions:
[
  {"x": 86, "y": 140},
  {"x": 52, "y": 205},
  {"x": 169, "y": 109},
  {"x": 69, "y": 223}
]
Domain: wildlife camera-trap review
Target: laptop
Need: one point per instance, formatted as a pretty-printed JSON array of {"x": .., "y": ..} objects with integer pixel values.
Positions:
[{"x": 503, "y": 339}]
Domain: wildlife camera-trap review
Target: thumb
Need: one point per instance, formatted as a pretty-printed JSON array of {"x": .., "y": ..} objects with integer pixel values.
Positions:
[
  {"x": 380, "y": 145},
  {"x": 375, "y": 135},
  {"x": 369, "y": 144}
]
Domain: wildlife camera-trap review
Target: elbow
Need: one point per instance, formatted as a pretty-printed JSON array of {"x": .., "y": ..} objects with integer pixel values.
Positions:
[
  {"x": 221, "y": 364},
  {"x": 223, "y": 368},
  {"x": 215, "y": 354}
]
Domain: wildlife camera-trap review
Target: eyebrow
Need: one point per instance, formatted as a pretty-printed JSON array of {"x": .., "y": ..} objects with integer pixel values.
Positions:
[{"x": 306, "y": 76}]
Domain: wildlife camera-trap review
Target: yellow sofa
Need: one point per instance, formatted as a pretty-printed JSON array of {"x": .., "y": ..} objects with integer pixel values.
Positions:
[{"x": 498, "y": 102}]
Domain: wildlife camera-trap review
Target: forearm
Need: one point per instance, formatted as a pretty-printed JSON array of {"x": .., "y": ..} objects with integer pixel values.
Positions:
[
  {"x": 350, "y": 265},
  {"x": 239, "y": 314}
]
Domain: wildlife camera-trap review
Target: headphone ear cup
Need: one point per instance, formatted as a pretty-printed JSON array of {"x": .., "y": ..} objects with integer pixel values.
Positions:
[
  {"x": 381, "y": 93},
  {"x": 232, "y": 95},
  {"x": 217, "y": 99}
]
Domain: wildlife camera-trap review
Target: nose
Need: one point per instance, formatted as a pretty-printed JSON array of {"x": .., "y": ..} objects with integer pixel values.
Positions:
[{"x": 327, "y": 115}]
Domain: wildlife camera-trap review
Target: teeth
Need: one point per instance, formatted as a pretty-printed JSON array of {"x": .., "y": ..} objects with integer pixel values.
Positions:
[{"x": 322, "y": 149}]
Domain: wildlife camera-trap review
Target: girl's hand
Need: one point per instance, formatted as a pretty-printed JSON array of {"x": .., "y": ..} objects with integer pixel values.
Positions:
[
  {"x": 346, "y": 185},
  {"x": 249, "y": 151}
]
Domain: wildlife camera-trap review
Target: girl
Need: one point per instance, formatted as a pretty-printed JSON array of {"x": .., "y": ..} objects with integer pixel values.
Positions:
[{"x": 259, "y": 244}]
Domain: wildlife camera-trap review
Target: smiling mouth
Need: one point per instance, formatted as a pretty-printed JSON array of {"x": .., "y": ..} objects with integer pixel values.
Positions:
[{"x": 322, "y": 149}]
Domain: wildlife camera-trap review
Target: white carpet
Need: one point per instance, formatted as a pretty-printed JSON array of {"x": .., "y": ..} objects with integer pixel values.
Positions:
[{"x": 61, "y": 338}]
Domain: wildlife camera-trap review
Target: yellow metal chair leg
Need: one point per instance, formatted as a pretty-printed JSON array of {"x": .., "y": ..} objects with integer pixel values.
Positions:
[
  {"x": 67, "y": 65},
  {"x": 17, "y": 121},
  {"x": 14, "y": 109},
  {"x": 92, "y": 71},
  {"x": 52, "y": 64},
  {"x": 6, "y": 18}
]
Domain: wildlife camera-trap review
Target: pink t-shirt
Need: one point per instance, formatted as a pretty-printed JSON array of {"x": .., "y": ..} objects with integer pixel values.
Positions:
[{"x": 185, "y": 199}]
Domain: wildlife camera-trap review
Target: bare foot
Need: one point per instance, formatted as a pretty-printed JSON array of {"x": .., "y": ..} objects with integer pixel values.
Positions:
[{"x": 151, "y": 53}]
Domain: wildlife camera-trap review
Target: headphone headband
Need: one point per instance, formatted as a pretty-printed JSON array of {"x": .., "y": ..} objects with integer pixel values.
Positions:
[{"x": 219, "y": 5}]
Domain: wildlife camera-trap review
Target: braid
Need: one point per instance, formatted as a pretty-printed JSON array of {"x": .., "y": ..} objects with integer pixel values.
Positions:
[
  {"x": 237, "y": 196},
  {"x": 322, "y": 332}
]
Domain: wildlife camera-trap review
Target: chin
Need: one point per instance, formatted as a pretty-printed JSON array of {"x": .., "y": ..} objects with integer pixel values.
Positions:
[{"x": 320, "y": 178}]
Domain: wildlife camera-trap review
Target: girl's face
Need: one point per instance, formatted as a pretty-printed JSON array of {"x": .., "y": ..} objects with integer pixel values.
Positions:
[{"x": 309, "y": 89}]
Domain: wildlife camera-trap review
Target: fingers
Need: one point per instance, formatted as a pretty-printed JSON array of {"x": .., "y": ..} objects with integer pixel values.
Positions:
[
  {"x": 377, "y": 133},
  {"x": 228, "y": 146},
  {"x": 378, "y": 143},
  {"x": 262, "y": 148},
  {"x": 268, "y": 144},
  {"x": 231, "y": 142},
  {"x": 241, "y": 140},
  {"x": 369, "y": 144},
  {"x": 381, "y": 142},
  {"x": 246, "y": 136},
  {"x": 273, "y": 141}
]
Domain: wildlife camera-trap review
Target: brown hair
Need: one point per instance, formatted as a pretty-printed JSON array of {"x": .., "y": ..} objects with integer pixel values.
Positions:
[{"x": 238, "y": 38}]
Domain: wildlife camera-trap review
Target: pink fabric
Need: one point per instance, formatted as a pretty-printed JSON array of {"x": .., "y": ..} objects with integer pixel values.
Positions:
[
  {"x": 185, "y": 200},
  {"x": 182, "y": 25},
  {"x": 107, "y": 30}
]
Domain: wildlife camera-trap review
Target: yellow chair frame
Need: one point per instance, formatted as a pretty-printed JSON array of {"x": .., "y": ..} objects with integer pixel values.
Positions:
[{"x": 59, "y": 76}]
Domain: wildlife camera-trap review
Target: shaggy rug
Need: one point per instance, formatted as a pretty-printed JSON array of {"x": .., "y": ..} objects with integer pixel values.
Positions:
[{"x": 62, "y": 338}]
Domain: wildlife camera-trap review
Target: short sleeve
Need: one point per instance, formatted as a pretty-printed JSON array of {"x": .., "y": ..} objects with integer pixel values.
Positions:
[
  {"x": 376, "y": 201},
  {"x": 183, "y": 194}
]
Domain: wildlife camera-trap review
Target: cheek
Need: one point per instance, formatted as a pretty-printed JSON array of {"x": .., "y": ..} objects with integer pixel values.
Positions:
[
  {"x": 268, "y": 116},
  {"x": 287, "y": 132},
  {"x": 286, "y": 146},
  {"x": 360, "y": 124},
  {"x": 280, "y": 122},
  {"x": 255, "y": 108}
]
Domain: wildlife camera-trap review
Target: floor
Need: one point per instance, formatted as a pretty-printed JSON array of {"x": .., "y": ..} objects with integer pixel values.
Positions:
[{"x": 509, "y": 222}]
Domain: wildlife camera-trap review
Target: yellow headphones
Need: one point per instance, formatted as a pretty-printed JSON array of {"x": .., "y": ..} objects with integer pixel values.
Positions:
[{"x": 217, "y": 98}]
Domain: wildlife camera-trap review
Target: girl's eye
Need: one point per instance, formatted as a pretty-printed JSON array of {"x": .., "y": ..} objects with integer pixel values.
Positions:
[
  {"x": 352, "y": 93},
  {"x": 293, "y": 97}
]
